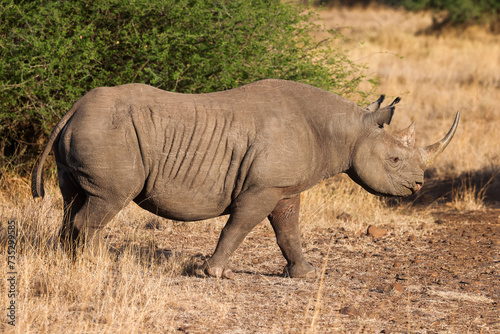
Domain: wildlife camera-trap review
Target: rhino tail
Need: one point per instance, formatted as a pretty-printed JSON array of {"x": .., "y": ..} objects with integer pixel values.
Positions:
[{"x": 37, "y": 174}]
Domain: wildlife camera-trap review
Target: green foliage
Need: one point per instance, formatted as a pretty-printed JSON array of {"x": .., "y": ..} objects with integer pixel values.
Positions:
[
  {"x": 459, "y": 11},
  {"x": 53, "y": 52}
]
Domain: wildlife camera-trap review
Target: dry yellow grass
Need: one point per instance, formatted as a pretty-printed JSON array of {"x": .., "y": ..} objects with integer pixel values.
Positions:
[
  {"x": 435, "y": 76},
  {"x": 136, "y": 291},
  {"x": 142, "y": 287}
]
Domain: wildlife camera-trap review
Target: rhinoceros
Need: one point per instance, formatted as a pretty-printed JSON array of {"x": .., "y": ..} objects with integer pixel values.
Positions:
[{"x": 246, "y": 152}]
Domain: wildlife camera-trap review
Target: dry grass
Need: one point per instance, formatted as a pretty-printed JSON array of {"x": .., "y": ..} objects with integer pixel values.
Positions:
[
  {"x": 142, "y": 286},
  {"x": 435, "y": 76}
]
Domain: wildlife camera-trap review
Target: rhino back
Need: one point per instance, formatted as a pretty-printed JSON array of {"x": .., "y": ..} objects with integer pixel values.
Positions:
[
  {"x": 195, "y": 153},
  {"x": 209, "y": 148}
]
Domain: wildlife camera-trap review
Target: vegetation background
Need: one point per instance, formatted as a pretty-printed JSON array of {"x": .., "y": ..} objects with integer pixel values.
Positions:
[
  {"x": 453, "y": 12},
  {"x": 435, "y": 267},
  {"x": 53, "y": 52}
]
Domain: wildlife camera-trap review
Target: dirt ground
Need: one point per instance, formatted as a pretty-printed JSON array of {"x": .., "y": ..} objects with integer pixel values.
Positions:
[
  {"x": 444, "y": 281},
  {"x": 441, "y": 278}
]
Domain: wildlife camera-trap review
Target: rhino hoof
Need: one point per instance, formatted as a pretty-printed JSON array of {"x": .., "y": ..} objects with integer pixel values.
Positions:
[
  {"x": 303, "y": 270},
  {"x": 219, "y": 272}
]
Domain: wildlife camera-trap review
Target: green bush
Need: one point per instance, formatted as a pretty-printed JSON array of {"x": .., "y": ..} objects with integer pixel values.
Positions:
[
  {"x": 52, "y": 52},
  {"x": 459, "y": 11}
]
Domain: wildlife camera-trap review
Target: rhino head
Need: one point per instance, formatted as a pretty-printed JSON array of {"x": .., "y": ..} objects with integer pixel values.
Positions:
[{"x": 390, "y": 164}]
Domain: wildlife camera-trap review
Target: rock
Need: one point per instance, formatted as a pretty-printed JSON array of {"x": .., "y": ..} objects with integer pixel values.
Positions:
[
  {"x": 418, "y": 313},
  {"x": 398, "y": 288},
  {"x": 383, "y": 288},
  {"x": 390, "y": 288},
  {"x": 350, "y": 310},
  {"x": 376, "y": 232},
  {"x": 412, "y": 237}
]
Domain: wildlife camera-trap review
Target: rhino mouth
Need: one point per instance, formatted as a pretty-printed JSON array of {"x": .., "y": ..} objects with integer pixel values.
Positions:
[{"x": 415, "y": 188}]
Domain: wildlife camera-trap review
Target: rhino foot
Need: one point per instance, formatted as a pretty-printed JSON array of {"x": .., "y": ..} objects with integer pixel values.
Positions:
[
  {"x": 300, "y": 270},
  {"x": 218, "y": 272}
]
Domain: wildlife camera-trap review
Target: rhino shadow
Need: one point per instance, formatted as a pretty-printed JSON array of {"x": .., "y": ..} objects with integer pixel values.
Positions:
[{"x": 484, "y": 182}]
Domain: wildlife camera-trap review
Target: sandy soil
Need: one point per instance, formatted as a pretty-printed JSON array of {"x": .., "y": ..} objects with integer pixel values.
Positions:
[{"x": 441, "y": 278}]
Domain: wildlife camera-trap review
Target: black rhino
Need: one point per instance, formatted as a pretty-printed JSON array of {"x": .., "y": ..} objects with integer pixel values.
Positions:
[{"x": 247, "y": 152}]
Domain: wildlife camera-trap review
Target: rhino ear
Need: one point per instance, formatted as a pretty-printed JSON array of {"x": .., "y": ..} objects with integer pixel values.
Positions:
[
  {"x": 407, "y": 136},
  {"x": 382, "y": 116},
  {"x": 375, "y": 105}
]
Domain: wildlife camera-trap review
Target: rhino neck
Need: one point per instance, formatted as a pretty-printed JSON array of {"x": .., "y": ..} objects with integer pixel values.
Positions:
[
  {"x": 343, "y": 132},
  {"x": 331, "y": 121},
  {"x": 337, "y": 132}
]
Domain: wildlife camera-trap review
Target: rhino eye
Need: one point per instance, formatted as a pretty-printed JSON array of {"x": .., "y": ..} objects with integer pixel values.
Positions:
[{"x": 394, "y": 160}]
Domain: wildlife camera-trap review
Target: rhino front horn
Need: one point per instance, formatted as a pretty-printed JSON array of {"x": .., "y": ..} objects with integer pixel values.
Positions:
[{"x": 429, "y": 153}]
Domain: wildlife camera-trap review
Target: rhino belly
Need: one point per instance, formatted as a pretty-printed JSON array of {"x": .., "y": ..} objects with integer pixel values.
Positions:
[{"x": 183, "y": 204}]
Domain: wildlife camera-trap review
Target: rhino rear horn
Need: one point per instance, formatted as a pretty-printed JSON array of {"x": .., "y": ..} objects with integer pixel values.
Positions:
[
  {"x": 429, "y": 153},
  {"x": 382, "y": 116},
  {"x": 407, "y": 136}
]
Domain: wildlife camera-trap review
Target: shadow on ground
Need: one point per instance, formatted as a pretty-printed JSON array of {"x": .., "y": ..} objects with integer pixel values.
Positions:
[{"x": 484, "y": 184}]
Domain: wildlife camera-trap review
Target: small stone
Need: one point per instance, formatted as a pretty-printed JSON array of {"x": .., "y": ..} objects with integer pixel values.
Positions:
[
  {"x": 412, "y": 238},
  {"x": 396, "y": 264},
  {"x": 418, "y": 313},
  {"x": 350, "y": 310},
  {"x": 389, "y": 288},
  {"x": 386, "y": 288},
  {"x": 398, "y": 288},
  {"x": 376, "y": 232}
]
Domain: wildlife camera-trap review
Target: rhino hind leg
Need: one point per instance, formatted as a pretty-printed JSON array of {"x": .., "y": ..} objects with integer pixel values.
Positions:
[
  {"x": 285, "y": 222},
  {"x": 74, "y": 199},
  {"x": 95, "y": 213},
  {"x": 84, "y": 216}
]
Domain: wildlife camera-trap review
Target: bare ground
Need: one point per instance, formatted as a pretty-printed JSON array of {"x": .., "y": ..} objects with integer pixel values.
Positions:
[
  {"x": 438, "y": 277},
  {"x": 448, "y": 281}
]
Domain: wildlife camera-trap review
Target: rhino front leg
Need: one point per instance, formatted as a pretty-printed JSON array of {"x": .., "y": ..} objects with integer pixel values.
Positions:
[
  {"x": 248, "y": 210},
  {"x": 285, "y": 222}
]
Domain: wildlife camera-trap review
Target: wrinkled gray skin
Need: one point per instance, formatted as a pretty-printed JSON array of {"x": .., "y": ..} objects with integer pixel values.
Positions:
[{"x": 247, "y": 152}]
